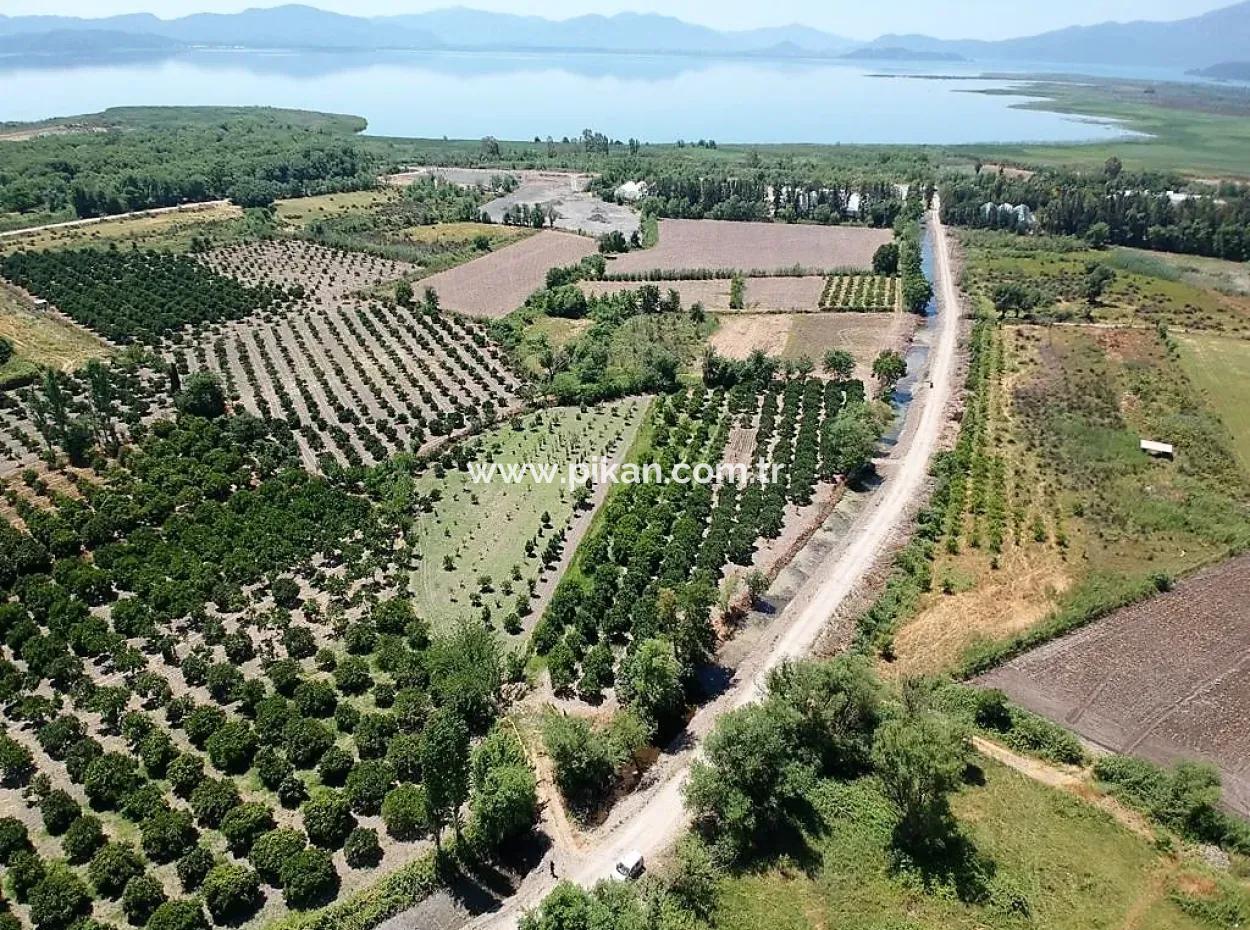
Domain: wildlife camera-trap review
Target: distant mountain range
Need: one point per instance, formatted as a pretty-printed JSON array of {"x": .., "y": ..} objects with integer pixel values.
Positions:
[{"x": 1197, "y": 42}]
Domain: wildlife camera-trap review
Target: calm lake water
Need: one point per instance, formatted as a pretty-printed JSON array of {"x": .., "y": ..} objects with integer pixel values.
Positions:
[{"x": 520, "y": 95}]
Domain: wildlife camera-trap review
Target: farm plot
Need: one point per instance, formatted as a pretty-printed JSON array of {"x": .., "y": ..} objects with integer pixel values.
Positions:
[
  {"x": 497, "y": 283},
  {"x": 1219, "y": 367},
  {"x": 712, "y": 293},
  {"x": 249, "y": 731},
  {"x": 490, "y": 548},
  {"x": 565, "y": 192},
  {"x": 751, "y": 248},
  {"x": 874, "y": 293},
  {"x": 133, "y": 296},
  {"x": 811, "y": 335},
  {"x": 310, "y": 270},
  {"x": 1164, "y": 679},
  {"x": 358, "y": 381}
]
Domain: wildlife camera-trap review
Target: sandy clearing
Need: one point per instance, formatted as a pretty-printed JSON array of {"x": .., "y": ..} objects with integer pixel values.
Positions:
[
  {"x": 741, "y": 334},
  {"x": 765, "y": 247},
  {"x": 497, "y": 283},
  {"x": 565, "y": 191}
]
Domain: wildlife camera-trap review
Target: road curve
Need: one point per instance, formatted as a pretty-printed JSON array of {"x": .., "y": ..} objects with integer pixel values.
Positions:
[{"x": 652, "y": 819}]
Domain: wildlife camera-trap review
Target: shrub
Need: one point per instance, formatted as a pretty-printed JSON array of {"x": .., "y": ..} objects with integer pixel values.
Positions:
[
  {"x": 112, "y": 867},
  {"x": 232, "y": 747},
  {"x": 13, "y": 838},
  {"x": 26, "y": 870},
  {"x": 185, "y": 774},
  {"x": 335, "y": 765},
  {"x": 309, "y": 879},
  {"x": 361, "y": 849},
  {"x": 143, "y": 895},
  {"x": 244, "y": 824},
  {"x": 213, "y": 799},
  {"x": 367, "y": 784},
  {"x": 168, "y": 834},
  {"x": 109, "y": 779},
  {"x": 328, "y": 819},
  {"x": 406, "y": 813},
  {"x": 274, "y": 848},
  {"x": 84, "y": 836},
  {"x": 59, "y": 899},
  {"x": 180, "y": 914},
  {"x": 59, "y": 810},
  {"x": 231, "y": 893},
  {"x": 193, "y": 866}
]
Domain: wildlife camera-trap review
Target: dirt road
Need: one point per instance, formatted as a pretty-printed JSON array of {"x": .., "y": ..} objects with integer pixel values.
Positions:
[
  {"x": 654, "y": 817},
  {"x": 93, "y": 220}
]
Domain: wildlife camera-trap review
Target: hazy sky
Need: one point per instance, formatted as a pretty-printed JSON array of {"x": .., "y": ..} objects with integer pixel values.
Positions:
[{"x": 856, "y": 18}]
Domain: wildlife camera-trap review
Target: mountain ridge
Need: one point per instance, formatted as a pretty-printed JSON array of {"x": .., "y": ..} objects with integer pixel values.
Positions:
[{"x": 1194, "y": 42}]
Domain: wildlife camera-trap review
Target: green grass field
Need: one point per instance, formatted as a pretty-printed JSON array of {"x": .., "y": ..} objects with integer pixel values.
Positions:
[
  {"x": 1220, "y": 368},
  {"x": 483, "y": 528},
  {"x": 1184, "y": 132},
  {"x": 1037, "y": 859},
  {"x": 1149, "y": 287},
  {"x": 41, "y": 339}
]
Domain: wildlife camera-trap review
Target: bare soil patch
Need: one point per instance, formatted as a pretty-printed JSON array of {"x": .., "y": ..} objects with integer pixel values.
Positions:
[
  {"x": 497, "y": 283},
  {"x": 741, "y": 334},
  {"x": 764, "y": 247},
  {"x": 786, "y": 293},
  {"x": 1166, "y": 679},
  {"x": 713, "y": 294},
  {"x": 864, "y": 335}
]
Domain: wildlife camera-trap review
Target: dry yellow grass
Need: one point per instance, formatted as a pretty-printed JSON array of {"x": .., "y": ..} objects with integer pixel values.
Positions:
[
  {"x": 466, "y": 232},
  {"x": 139, "y": 229},
  {"x": 300, "y": 211},
  {"x": 44, "y": 339}
]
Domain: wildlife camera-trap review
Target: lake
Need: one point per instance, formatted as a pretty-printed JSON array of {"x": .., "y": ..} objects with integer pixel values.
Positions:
[{"x": 657, "y": 98}]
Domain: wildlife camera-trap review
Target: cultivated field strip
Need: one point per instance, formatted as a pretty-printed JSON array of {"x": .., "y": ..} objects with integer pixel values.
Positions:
[
  {"x": 860, "y": 292},
  {"x": 321, "y": 272},
  {"x": 1164, "y": 679},
  {"x": 357, "y": 381}
]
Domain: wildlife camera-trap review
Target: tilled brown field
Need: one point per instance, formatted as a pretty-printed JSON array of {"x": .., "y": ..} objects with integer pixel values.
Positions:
[
  {"x": 764, "y": 247},
  {"x": 496, "y": 284},
  {"x": 787, "y": 294},
  {"x": 1167, "y": 679}
]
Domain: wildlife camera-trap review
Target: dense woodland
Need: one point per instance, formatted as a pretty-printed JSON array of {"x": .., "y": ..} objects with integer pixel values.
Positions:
[
  {"x": 1113, "y": 207},
  {"x": 134, "y": 160}
]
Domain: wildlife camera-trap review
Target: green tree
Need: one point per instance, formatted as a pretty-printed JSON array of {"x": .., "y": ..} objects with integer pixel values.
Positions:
[
  {"x": 888, "y": 368},
  {"x": 143, "y": 895},
  {"x": 403, "y": 293},
  {"x": 202, "y": 396},
  {"x": 839, "y": 363},
  {"x": 328, "y": 819},
  {"x": 406, "y": 813},
  {"x": 59, "y": 899},
  {"x": 650, "y": 680},
  {"x": 445, "y": 767},
  {"x": 885, "y": 259},
  {"x": 274, "y": 848},
  {"x": 182, "y": 914},
  {"x": 504, "y": 805},
  {"x": 112, "y": 867},
  {"x": 585, "y": 759},
  {"x": 6, "y": 351},
  {"x": 84, "y": 836},
  {"x": 920, "y": 759},
  {"x": 309, "y": 879},
  {"x": 244, "y": 825},
  {"x": 362, "y": 851},
  {"x": 231, "y": 893}
]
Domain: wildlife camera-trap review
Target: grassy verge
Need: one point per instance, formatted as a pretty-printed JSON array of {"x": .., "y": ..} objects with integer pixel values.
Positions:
[{"x": 1073, "y": 868}]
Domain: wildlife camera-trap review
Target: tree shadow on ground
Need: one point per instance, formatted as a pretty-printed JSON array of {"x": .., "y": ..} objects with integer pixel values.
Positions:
[
  {"x": 943, "y": 857},
  {"x": 480, "y": 885}
]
